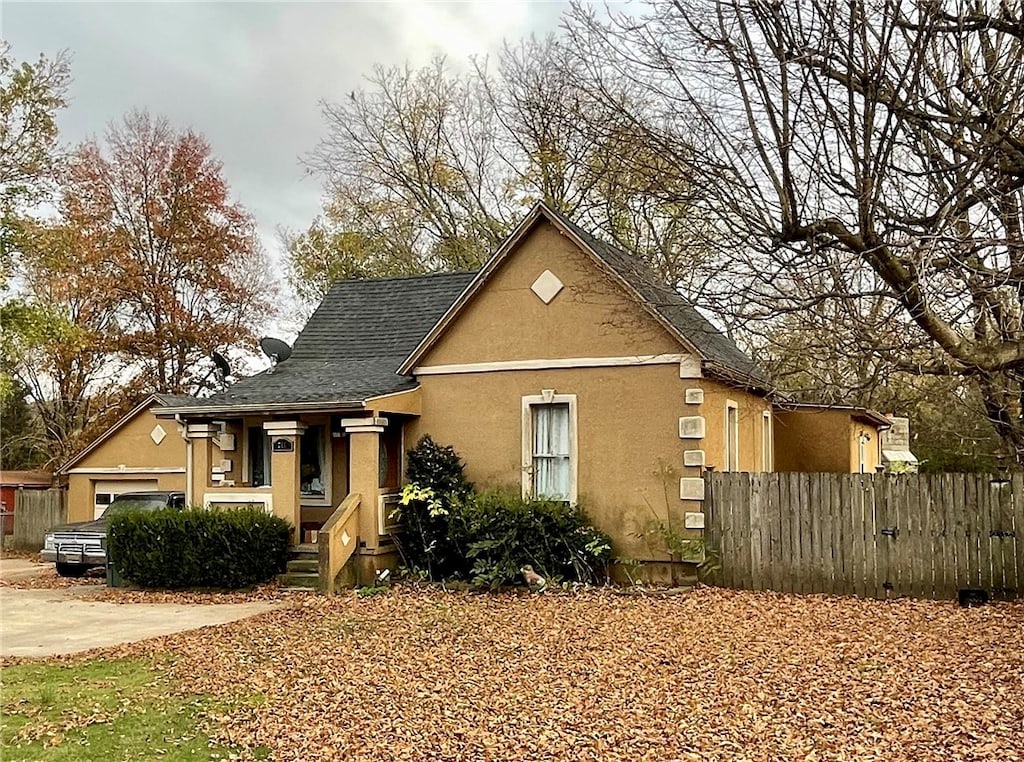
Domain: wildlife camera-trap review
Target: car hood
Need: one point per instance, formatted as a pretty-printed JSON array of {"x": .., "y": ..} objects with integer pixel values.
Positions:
[{"x": 98, "y": 526}]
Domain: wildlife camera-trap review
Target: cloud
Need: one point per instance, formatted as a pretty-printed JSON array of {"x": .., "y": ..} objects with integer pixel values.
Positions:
[{"x": 251, "y": 76}]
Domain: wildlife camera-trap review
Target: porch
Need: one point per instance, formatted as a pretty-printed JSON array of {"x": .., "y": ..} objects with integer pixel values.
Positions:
[{"x": 334, "y": 476}]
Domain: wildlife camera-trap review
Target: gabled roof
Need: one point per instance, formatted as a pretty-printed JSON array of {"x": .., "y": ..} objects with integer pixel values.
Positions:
[
  {"x": 153, "y": 400},
  {"x": 718, "y": 353},
  {"x": 349, "y": 350}
]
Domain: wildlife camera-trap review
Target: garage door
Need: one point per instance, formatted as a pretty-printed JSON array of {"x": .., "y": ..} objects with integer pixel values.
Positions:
[{"x": 105, "y": 491}]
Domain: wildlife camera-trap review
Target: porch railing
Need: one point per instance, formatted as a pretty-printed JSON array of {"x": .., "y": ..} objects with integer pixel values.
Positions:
[{"x": 338, "y": 540}]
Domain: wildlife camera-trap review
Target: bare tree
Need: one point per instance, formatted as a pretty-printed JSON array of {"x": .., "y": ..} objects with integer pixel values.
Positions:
[{"x": 866, "y": 154}]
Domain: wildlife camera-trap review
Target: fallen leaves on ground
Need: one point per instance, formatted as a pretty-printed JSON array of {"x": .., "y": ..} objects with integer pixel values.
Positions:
[
  {"x": 27, "y": 555},
  {"x": 268, "y": 592},
  {"x": 46, "y": 578},
  {"x": 714, "y": 675}
]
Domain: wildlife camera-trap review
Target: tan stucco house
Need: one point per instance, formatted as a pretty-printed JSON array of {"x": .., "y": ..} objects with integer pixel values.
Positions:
[
  {"x": 562, "y": 367},
  {"x": 828, "y": 438},
  {"x": 139, "y": 452}
]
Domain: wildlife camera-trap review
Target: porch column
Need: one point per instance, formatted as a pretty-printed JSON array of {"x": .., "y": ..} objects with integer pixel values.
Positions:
[
  {"x": 285, "y": 449},
  {"x": 364, "y": 472},
  {"x": 199, "y": 437}
]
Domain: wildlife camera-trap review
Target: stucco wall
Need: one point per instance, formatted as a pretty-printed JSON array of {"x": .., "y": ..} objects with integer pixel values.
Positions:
[
  {"x": 872, "y": 454},
  {"x": 132, "y": 447},
  {"x": 591, "y": 317},
  {"x": 630, "y": 455},
  {"x": 823, "y": 441}
]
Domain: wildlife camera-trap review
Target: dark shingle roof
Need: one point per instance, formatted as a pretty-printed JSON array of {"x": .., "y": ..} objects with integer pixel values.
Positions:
[
  {"x": 363, "y": 331},
  {"x": 352, "y": 345},
  {"x": 175, "y": 400},
  {"x": 718, "y": 351}
]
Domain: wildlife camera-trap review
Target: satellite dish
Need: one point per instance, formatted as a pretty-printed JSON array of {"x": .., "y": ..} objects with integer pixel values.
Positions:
[
  {"x": 220, "y": 369},
  {"x": 221, "y": 363},
  {"x": 275, "y": 349}
]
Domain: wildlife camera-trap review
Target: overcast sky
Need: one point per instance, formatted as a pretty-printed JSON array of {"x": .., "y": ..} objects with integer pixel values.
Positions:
[{"x": 250, "y": 76}]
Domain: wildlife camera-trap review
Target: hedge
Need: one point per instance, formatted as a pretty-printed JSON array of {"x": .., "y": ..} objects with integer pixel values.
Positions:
[
  {"x": 197, "y": 547},
  {"x": 448, "y": 531}
]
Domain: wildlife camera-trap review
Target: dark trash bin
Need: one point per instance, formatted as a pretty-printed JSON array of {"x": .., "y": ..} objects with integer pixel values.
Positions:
[{"x": 114, "y": 578}]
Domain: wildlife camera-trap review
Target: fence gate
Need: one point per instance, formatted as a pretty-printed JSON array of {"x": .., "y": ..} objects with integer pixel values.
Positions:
[{"x": 924, "y": 536}]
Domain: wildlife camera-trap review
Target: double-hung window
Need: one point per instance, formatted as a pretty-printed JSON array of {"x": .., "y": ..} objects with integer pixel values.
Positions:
[{"x": 549, "y": 447}]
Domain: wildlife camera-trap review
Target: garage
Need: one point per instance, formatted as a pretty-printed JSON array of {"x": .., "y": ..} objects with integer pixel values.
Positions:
[{"x": 104, "y": 491}]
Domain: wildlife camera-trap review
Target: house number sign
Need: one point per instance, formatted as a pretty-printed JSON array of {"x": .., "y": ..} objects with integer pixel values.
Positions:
[{"x": 283, "y": 445}]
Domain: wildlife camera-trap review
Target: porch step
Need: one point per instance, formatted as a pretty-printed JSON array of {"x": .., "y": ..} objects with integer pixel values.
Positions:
[
  {"x": 302, "y": 568},
  {"x": 304, "y": 580}
]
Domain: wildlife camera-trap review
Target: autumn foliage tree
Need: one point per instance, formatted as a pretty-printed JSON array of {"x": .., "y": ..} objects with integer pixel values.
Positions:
[
  {"x": 72, "y": 369},
  {"x": 176, "y": 256},
  {"x": 146, "y": 267}
]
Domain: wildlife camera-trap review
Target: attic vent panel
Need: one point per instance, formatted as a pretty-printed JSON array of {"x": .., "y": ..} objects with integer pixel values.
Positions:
[{"x": 547, "y": 286}]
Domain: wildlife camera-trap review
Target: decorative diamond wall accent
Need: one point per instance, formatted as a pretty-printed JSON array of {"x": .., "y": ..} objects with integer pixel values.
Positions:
[
  {"x": 345, "y": 538},
  {"x": 547, "y": 286},
  {"x": 157, "y": 434}
]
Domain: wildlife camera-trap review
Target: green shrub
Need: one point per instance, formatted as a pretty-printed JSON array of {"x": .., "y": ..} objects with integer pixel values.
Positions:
[
  {"x": 449, "y": 532},
  {"x": 437, "y": 487},
  {"x": 439, "y": 468},
  {"x": 501, "y": 532},
  {"x": 197, "y": 547}
]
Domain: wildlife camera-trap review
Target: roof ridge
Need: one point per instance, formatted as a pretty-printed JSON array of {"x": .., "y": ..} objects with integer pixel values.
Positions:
[{"x": 421, "y": 276}]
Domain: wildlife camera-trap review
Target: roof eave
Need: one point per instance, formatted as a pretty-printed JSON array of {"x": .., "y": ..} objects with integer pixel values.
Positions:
[
  {"x": 260, "y": 407},
  {"x": 107, "y": 434},
  {"x": 745, "y": 380}
]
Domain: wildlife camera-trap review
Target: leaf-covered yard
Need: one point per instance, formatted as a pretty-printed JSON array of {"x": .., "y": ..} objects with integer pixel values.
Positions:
[{"x": 715, "y": 674}]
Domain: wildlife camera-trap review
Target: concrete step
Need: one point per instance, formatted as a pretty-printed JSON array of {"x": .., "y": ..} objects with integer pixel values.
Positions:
[
  {"x": 299, "y": 579},
  {"x": 304, "y": 553},
  {"x": 303, "y": 565}
]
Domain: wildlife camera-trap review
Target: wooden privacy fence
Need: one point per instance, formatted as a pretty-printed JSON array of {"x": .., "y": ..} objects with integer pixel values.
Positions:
[
  {"x": 35, "y": 511},
  {"x": 877, "y": 535}
]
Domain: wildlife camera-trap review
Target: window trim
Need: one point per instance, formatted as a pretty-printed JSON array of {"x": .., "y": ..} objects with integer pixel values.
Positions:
[
  {"x": 767, "y": 442},
  {"x": 326, "y": 465},
  {"x": 548, "y": 397},
  {"x": 327, "y": 457},
  {"x": 247, "y": 459},
  {"x": 732, "y": 437}
]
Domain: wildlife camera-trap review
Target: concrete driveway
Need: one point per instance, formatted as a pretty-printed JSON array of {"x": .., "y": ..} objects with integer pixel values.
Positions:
[{"x": 65, "y": 620}]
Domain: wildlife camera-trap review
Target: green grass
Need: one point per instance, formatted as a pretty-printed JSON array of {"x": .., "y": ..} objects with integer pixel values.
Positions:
[{"x": 101, "y": 710}]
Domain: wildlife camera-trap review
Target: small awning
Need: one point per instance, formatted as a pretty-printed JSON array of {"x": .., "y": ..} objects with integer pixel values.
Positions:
[{"x": 898, "y": 456}]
